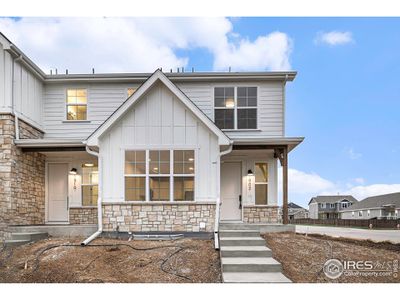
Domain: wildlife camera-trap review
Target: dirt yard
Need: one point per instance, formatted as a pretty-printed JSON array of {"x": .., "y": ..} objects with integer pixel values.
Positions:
[
  {"x": 179, "y": 261},
  {"x": 303, "y": 257}
]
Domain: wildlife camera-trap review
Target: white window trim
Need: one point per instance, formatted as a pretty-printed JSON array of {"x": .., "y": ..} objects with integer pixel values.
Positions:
[
  {"x": 171, "y": 175},
  {"x": 85, "y": 184},
  {"x": 235, "y": 128},
  {"x": 261, "y": 183},
  {"x": 65, "y": 120}
]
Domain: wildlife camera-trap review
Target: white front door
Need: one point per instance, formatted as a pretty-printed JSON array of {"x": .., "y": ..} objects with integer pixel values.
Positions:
[
  {"x": 231, "y": 187},
  {"x": 57, "y": 179}
]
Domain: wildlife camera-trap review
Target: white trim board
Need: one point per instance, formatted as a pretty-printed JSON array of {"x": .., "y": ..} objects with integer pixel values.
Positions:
[{"x": 93, "y": 139}]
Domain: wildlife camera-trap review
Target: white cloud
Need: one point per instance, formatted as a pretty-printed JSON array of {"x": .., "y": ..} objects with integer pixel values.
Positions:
[
  {"x": 352, "y": 154},
  {"x": 303, "y": 186},
  {"x": 359, "y": 180},
  {"x": 363, "y": 191},
  {"x": 334, "y": 38},
  {"x": 142, "y": 44},
  {"x": 272, "y": 51}
]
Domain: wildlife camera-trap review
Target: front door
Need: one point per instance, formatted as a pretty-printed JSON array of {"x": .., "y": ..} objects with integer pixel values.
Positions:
[
  {"x": 231, "y": 187},
  {"x": 57, "y": 192}
]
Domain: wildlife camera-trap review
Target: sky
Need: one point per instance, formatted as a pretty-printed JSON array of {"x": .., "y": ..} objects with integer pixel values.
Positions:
[{"x": 345, "y": 99}]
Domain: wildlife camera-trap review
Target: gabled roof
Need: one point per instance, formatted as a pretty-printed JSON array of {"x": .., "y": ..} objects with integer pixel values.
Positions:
[
  {"x": 157, "y": 76},
  {"x": 377, "y": 202},
  {"x": 294, "y": 205},
  {"x": 332, "y": 199}
]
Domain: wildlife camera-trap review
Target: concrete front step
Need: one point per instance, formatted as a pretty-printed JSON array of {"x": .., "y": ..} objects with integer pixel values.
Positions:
[
  {"x": 250, "y": 264},
  {"x": 261, "y": 227},
  {"x": 238, "y": 226},
  {"x": 15, "y": 243},
  {"x": 30, "y": 236},
  {"x": 245, "y": 251},
  {"x": 255, "y": 277},
  {"x": 242, "y": 241},
  {"x": 239, "y": 233},
  {"x": 57, "y": 230}
]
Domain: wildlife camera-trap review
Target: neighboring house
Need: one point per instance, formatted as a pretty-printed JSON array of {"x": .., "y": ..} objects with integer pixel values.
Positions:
[
  {"x": 156, "y": 152},
  {"x": 329, "y": 207},
  {"x": 294, "y": 211},
  {"x": 377, "y": 207}
]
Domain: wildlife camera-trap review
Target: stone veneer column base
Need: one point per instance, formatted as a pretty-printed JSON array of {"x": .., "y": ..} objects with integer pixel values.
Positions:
[
  {"x": 82, "y": 215},
  {"x": 170, "y": 217},
  {"x": 260, "y": 214}
]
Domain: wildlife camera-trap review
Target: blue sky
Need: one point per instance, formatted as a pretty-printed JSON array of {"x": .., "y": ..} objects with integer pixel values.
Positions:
[{"x": 345, "y": 99}]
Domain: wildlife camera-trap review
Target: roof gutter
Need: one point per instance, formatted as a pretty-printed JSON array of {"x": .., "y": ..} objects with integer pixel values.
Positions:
[
  {"x": 99, "y": 199},
  {"x": 26, "y": 61}
]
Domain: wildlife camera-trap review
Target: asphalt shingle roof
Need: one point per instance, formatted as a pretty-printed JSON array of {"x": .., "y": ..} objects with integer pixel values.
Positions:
[
  {"x": 377, "y": 201},
  {"x": 333, "y": 199}
]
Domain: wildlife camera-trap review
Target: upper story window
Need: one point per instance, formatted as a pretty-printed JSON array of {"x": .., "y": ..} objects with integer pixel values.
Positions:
[
  {"x": 333, "y": 205},
  {"x": 235, "y": 107},
  {"x": 322, "y": 205},
  {"x": 76, "y": 104},
  {"x": 345, "y": 204},
  {"x": 130, "y": 91}
]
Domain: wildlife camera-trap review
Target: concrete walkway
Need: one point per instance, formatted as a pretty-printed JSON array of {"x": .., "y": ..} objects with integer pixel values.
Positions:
[{"x": 353, "y": 233}]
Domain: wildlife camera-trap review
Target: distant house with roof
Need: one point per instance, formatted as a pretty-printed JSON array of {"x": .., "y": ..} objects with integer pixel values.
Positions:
[
  {"x": 377, "y": 207},
  {"x": 329, "y": 207},
  {"x": 295, "y": 212}
]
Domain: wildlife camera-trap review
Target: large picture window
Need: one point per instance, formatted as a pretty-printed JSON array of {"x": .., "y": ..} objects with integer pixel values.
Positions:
[
  {"x": 76, "y": 104},
  {"x": 159, "y": 175},
  {"x": 261, "y": 183},
  {"x": 235, "y": 108}
]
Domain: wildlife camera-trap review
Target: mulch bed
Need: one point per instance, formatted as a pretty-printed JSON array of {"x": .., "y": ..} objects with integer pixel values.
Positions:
[
  {"x": 179, "y": 261},
  {"x": 303, "y": 257}
]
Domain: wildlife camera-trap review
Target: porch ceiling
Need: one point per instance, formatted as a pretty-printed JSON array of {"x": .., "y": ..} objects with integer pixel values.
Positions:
[
  {"x": 49, "y": 145},
  {"x": 266, "y": 143}
]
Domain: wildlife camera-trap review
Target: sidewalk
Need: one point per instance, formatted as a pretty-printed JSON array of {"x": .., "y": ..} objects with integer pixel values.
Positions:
[{"x": 353, "y": 233}]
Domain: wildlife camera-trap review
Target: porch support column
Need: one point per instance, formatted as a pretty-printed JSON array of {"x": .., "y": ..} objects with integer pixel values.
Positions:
[{"x": 282, "y": 155}]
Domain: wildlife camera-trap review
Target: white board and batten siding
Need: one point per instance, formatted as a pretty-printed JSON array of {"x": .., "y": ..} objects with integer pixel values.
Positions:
[
  {"x": 159, "y": 120},
  {"x": 27, "y": 90},
  {"x": 105, "y": 98}
]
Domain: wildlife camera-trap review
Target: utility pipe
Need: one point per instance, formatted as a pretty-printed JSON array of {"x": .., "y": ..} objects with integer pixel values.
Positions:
[
  {"x": 99, "y": 199},
  {"x": 218, "y": 204}
]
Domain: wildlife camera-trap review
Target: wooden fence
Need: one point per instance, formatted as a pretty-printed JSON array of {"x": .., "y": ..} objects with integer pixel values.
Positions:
[{"x": 389, "y": 224}]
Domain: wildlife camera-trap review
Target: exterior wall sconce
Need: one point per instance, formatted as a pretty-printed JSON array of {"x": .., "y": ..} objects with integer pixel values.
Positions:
[
  {"x": 74, "y": 172},
  {"x": 250, "y": 175}
]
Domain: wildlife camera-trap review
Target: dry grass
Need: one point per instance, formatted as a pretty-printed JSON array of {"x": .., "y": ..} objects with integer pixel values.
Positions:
[
  {"x": 303, "y": 257},
  {"x": 179, "y": 261}
]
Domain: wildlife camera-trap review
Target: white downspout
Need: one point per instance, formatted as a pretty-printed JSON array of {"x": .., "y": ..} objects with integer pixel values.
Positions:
[
  {"x": 99, "y": 199},
  {"x": 14, "y": 111},
  {"x": 218, "y": 204}
]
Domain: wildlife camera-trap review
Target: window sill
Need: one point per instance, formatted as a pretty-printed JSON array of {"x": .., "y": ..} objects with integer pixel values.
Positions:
[
  {"x": 239, "y": 130},
  {"x": 76, "y": 121}
]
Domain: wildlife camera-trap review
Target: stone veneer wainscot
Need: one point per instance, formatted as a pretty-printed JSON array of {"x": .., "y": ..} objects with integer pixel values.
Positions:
[
  {"x": 173, "y": 217},
  {"x": 82, "y": 215},
  {"x": 260, "y": 214},
  {"x": 22, "y": 178}
]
